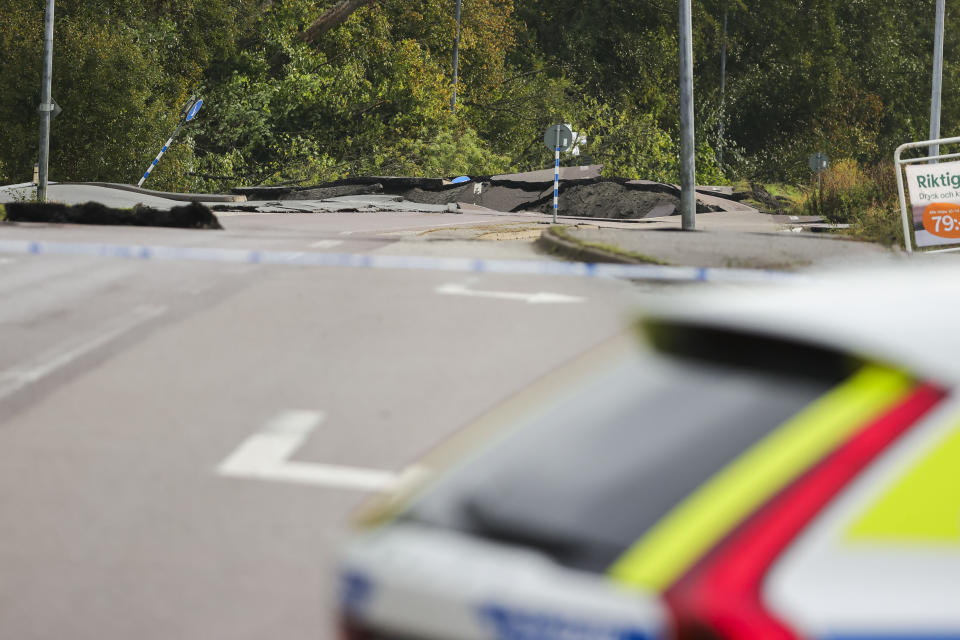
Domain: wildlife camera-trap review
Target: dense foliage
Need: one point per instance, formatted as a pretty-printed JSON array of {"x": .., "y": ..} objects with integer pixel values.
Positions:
[{"x": 848, "y": 77}]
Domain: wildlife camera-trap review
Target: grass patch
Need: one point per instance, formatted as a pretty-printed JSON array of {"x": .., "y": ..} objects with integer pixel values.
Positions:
[
  {"x": 791, "y": 192},
  {"x": 770, "y": 197},
  {"x": 864, "y": 197},
  {"x": 3, "y": 213},
  {"x": 607, "y": 248}
]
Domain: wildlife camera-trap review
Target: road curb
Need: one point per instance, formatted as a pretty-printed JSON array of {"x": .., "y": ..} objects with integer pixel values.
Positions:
[{"x": 554, "y": 243}]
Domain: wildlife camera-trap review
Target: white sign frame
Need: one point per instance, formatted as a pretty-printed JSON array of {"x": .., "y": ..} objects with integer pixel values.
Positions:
[{"x": 899, "y": 164}]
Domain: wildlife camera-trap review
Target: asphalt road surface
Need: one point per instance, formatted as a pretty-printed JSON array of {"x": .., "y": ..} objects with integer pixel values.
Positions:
[{"x": 139, "y": 401}]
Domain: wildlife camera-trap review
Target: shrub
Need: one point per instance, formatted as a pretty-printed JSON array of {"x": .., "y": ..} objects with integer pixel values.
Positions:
[
  {"x": 866, "y": 198},
  {"x": 448, "y": 153}
]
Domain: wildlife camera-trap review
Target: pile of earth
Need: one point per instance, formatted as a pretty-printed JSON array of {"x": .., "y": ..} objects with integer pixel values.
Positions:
[
  {"x": 613, "y": 200},
  {"x": 768, "y": 201},
  {"x": 617, "y": 201},
  {"x": 191, "y": 216},
  {"x": 594, "y": 198}
]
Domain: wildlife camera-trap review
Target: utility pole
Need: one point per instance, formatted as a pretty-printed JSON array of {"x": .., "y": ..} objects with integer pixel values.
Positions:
[
  {"x": 723, "y": 89},
  {"x": 688, "y": 174},
  {"x": 456, "y": 60},
  {"x": 46, "y": 105},
  {"x": 937, "y": 79}
]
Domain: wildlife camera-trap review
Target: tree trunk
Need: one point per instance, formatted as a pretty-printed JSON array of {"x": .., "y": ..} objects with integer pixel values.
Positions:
[{"x": 333, "y": 18}]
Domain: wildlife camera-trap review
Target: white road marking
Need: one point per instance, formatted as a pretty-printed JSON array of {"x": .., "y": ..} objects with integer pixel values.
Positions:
[
  {"x": 197, "y": 289},
  {"x": 541, "y": 297},
  {"x": 326, "y": 244},
  {"x": 7, "y": 260},
  {"x": 266, "y": 456},
  {"x": 13, "y": 380},
  {"x": 794, "y": 218}
]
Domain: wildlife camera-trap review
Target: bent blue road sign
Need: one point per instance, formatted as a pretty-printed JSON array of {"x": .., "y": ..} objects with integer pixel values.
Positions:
[{"x": 194, "y": 109}]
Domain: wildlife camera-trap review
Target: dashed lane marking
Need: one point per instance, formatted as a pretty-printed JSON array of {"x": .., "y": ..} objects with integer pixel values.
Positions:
[
  {"x": 541, "y": 297},
  {"x": 21, "y": 376},
  {"x": 326, "y": 244}
]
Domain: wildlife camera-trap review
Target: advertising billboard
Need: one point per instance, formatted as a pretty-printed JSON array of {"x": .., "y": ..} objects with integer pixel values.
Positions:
[{"x": 935, "y": 203}]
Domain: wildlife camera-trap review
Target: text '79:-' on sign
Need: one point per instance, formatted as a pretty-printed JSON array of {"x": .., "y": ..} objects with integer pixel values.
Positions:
[
  {"x": 935, "y": 202},
  {"x": 942, "y": 219}
]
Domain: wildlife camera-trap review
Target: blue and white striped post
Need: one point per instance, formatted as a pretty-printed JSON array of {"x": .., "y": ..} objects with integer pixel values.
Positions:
[
  {"x": 160, "y": 155},
  {"x": 188, "y": 113},
  {"x": 556, "y": 177},
  {"x": 558, "y": 137}
]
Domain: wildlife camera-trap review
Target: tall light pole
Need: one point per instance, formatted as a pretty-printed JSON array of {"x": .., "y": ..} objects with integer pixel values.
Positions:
[
  {"x": 46, "y": 105},
  {"x": 723, "y": 90},
  {"x": 937, "y": 78},
  {"x": 688, "y": 173},
  {"x": 456, "y": 60}
]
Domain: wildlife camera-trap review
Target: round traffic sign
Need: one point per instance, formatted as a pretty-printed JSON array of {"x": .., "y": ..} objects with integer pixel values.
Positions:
[
  {"x": 559, "y": 135},
  {"x": 194, "y": 109},
  {"x": 819, "y": 162}
]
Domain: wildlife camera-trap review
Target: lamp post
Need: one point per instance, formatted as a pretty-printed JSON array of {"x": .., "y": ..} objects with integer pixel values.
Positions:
[
  {"x": 456, "y": 60},
  {"x": 723, "y": 90},
  {"x": 46, "y": 105},
  {"x": 937, "y": 79},
  {"x": 688, "y": 175}
]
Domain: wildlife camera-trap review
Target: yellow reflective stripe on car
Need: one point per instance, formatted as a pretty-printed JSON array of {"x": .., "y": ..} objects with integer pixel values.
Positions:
[
  {"x": 694, "y": 526},
  {"x": 923, "y": 506}
]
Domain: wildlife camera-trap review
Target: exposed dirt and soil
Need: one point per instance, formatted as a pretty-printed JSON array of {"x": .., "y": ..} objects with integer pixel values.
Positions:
[
  {"x": 458, "y": 193},
  {"x": 612, "y": 200}
]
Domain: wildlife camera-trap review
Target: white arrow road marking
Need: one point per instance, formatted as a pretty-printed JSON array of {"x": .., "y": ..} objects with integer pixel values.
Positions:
[
  {"x": 541, "y": 297},
  {"x": 266, "y": 456},
  {"x": 326, "y": 244},
  {"x": 13, "y": 380}
]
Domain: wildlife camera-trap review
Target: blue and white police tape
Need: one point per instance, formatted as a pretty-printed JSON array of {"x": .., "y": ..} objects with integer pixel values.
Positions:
[{"x": 372, "y": 261}]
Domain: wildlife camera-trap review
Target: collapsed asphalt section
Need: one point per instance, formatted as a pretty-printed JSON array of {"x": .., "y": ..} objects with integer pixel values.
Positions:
[
  {"x": 583, "y": 192},
  {"x": 191, "y": 216}
]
